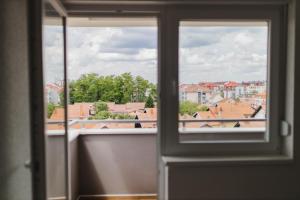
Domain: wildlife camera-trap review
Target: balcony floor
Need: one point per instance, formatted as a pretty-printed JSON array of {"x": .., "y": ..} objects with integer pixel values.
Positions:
[{"x": 120, "y": 198}]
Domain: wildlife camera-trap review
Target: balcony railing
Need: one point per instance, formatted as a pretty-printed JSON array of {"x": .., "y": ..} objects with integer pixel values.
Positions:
[
  {"x": 94, "y": 121},
  {"x": 182, "y": 128}
]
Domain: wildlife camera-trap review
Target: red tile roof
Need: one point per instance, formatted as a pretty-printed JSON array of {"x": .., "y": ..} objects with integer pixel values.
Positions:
[
  {"x": 225, "y": 109},
  {"x": 54, "y": 86},
  {"x": 231, "y": 84},
  {"x": 193, "y": 87}
]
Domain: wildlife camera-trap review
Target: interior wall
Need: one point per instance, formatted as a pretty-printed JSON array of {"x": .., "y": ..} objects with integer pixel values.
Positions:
[
  {"x": 15, "y": 179},
  {"x": 231, "y": 182}
]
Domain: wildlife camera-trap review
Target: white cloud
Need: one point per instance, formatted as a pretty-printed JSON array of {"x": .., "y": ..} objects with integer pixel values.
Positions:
[
  {"x": 239, "y": 54},
  {"x": 53, "y": 53},
  {"x": 243, "y": 38},
  {"x": 207, "y": 54}
]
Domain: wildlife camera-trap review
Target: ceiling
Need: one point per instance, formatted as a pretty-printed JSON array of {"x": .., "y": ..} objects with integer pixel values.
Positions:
[{"x": 92, "y": 7}]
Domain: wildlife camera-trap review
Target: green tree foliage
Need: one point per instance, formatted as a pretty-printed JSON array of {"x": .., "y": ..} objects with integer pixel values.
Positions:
[
  {"x": 61, "y": 99},
  {"x": 222, "y": 94},
  {"x": 141, "y": 86},
  {"x": 122, "y": 116},
  {"x": 85, "y": 89},
  {"x": 152, "y": 91},
  {"x": 101, "y": 115},
  {"x": 50, "y": 109},
  {"x": 101, "y": 106},
  {"x": 119, "y": 89},
  {"x": 188, "y": 107},
  {"x": 203, "y": 108},
  {"x": 107, "y": 115},
  {"x": 149, "y": 102}
]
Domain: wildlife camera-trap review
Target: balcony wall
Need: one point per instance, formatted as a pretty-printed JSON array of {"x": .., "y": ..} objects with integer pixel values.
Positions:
[
  {"x": 104, "y": 164},
  {"x": 55, "y": 166}
]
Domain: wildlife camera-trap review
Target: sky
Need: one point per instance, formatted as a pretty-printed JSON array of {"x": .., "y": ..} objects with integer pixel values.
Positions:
[{"x": 206, "y": 53}]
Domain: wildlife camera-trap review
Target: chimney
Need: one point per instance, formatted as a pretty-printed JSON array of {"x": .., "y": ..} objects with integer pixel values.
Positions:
[{"x": 81, "y": 115}]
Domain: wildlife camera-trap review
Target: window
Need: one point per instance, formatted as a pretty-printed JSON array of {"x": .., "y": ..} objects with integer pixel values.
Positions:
[
  {"x": 218, "y": 59},
  {"x": 54, "y": 79},
  {"x": 113, "y": 73},
  {"x": 227, "y": 62}
]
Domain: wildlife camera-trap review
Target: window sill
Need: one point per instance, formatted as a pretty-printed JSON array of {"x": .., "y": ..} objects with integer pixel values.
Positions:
[{"x": 226, "y": 160}]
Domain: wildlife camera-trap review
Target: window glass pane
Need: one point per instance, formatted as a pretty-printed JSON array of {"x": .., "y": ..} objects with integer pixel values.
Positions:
[
  {"x": 222, "y": 80},
  {"x": 53, "y": 66},
  {"x": 112, "y": 73}
]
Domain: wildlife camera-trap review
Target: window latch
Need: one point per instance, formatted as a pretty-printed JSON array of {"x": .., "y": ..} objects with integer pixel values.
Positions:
[
  {"x": 284, "y": 128},
  {"x": 27, "y": 164}
]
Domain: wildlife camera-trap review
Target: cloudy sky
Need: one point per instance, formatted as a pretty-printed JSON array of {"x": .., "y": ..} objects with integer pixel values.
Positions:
[{"x": 206, "y": 53}]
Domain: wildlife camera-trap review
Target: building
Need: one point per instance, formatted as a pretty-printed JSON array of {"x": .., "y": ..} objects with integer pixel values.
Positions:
[
  {"x": 230, "y": 90},
  {"x": 53, "y": 92},
  {"x": 195, "y": 93}
]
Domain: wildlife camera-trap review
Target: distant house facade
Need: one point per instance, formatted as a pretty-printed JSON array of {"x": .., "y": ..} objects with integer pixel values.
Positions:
[
  {"x": 211, "y": 93},
  {"x": 194, "y": 93},
  {"x": 256, "y": 88},
  {"x": 233, "y": 90},
  {"x": 230, "y": 90},
  {"x": 53, "y": 93}
]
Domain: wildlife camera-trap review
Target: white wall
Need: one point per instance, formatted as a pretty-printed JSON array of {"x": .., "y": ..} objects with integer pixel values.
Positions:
[
  {"x": 15, "y": 179},
  {"x": 192, "y": 96}
]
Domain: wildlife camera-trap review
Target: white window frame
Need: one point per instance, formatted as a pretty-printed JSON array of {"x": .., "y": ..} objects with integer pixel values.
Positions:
[{"x": 275, "y": 15}]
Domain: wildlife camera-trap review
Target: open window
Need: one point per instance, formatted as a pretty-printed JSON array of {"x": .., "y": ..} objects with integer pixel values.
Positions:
[
  {"x": 56, "y": 129},
  {"x": 113, "y": 74},
  {"x": 226, "y": 68}
]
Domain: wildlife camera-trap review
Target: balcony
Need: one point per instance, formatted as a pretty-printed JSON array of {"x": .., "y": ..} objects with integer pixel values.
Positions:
[{"x": 122, "y": 162}]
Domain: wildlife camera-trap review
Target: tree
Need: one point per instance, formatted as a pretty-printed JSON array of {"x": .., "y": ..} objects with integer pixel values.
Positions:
[
  {"x": 149, "y": 102},
  {"x": 153, "y": 91},
  {"x": 101, "y": 106},
  {"x": 127, "y": 87},
  {"x": 101, "y": 115},
  {"x": 141, "y": 86},
  {"x": 188, "y": 107},
  {"x": 106, "y": 115},
  {"x": 84, "y": 89},
  {"x": 122, "y": 116},
  {"x": 50, "y": 109},
  {"x": 62, "y": 99},
  {"x": 119, "y": 89},
  {"x": 203, "y": 108},
  {"x": 222, "y": 94}
]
